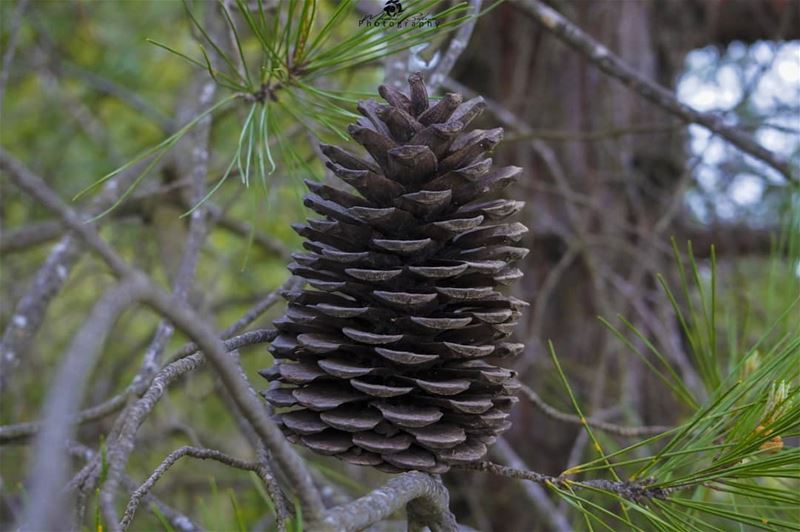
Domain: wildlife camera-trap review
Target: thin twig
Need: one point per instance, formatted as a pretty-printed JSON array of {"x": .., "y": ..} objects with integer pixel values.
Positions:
[
  {"x": 11, "y": 47},
  {"x": 178, "y": 520},
  {"x": 169, "y": 461},
  {"x": 21, "y": 431},
  {"x": 614, "y": 66},
  {"x": 546, "y": 509},
  {"x": 456, "y": 47},
  {"x": 630, "y": 490},
  {"x": 198, "y": 330},
  {"x": 198, "y": 139},
  {"x": 18, "y": 431},
  {"x": 611, "y": 428}
]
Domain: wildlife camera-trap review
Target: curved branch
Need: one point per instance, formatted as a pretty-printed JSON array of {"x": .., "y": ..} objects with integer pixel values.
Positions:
[
  {"x": 611, "y": 428},
  {"x": 184, "y": 278},
  {"x": 198, "y": 330},
  {"x": 627, "y": 489},
  {"x": 554, "y": 517},
  {"x": 248, "y": 402},
  {"x": 18, "y": 431},
  {"x": 49, "y": 471},
  {"x": 615, "y": 67},
  {"x": 169, "y": 461},
  {"x": 426, "y": 496},
  {"x": 455, "y": 49},
  {"x": 178, "y": 520}
]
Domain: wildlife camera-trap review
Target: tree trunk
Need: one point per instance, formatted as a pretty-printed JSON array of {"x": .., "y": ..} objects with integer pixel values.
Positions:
[{"x": 602, "y": 200}]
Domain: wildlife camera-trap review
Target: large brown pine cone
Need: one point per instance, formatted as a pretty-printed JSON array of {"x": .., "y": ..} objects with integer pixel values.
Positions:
[{"x": 385, "y": 362}]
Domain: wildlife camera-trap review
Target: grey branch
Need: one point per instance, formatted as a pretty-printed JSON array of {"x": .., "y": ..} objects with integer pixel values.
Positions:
[
  {"x": 89, "y": 475},
  {"x": 10, "y": 433},
  {"x": 119, "y": 453},
  {"x": 250, "y": 405},
  {"x": 426, "y": 496},
  {"x": 614, "y": 66},
  {"x": 178, "y": 520},
  {"x": 169, "y": 461},
  {"x": 18, "y": 239},
  {"x": 198, "y": 140},
  {"x": 30, "y": 310},
  {"x": 193, "y": 326},
  {"x": 556, "y": 519},
  {"x": 49, "y": 471},
  {"x": 11, "y": 46},
  {"x": 611, "y": 428},
  {"x": 634, "y": 491},
  {"x": 456, "y": 47},
  {"x": 21, "y": 431}
]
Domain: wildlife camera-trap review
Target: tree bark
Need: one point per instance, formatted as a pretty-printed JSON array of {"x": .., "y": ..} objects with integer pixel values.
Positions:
[{"x": 601, "y": 211}]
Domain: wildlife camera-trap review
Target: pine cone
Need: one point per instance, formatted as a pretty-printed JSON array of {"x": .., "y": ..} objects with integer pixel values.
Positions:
[{"x": 385, "y": 363}]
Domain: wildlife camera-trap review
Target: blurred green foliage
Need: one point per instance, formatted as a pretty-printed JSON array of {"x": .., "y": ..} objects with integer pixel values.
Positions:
[{"x": 88, "y": 94}]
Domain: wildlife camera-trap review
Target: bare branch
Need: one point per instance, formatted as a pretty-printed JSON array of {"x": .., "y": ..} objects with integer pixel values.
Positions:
[
  {"x": 198, "y": 140},
  {"x": 18, "y": 431},
  {"x": 426, "y": 495},
  {"x": 264, "y": 463},
  {"x": 178, "y": 520},
  {"x": 21, "y": 431},
  {"x": 611, "y": 428},
  {"x": 169, "y": 461},
  {"x": 11, "y": 47},
  {"x": 123, "y": 444},
  {"x": 31, "y": 308},
  {"x": 457, "y": 46},
  {"x": 21, "y": 238},
  {"x": 557, "y": 520},
  {"x": 49, "y": 471},
  {"x": 614, "y": 66},
  {"x": 250, "y": 405},
  {"x": 197, "y": 329},
  {"x": 630, "y": 490}
]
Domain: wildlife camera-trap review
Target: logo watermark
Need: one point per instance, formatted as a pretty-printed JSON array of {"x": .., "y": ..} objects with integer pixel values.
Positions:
[{"x": 391, "y": 17}]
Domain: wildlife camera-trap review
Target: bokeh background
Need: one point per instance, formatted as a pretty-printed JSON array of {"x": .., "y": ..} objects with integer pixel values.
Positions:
[{"x": 609, "y": 180}]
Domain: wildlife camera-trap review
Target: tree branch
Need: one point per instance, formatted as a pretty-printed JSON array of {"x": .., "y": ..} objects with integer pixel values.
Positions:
[
  {"x": 11, "y": 47},
  {"x": 198, "y": 140},
  {"x": 169, "y": 461},
  {"x": 49, "y": 471},
  {"x": 30, "y": 310},
  {"x": 178, "y": 520},
  {"x": 18, "y": 431},
  {"x": 637, "y": 492},
  {"x": 614, "y": 66},
  {"x": 556, "y": 519},
  {"x": 426, "y": 496},
  {"x": 193, "y": 326},
  {"x": 611, "y": 428},
  {"x": 457, "y": 46}
]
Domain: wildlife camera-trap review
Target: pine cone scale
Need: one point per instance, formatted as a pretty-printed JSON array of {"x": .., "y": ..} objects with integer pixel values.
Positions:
[{"x": 383, "y": 361}]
